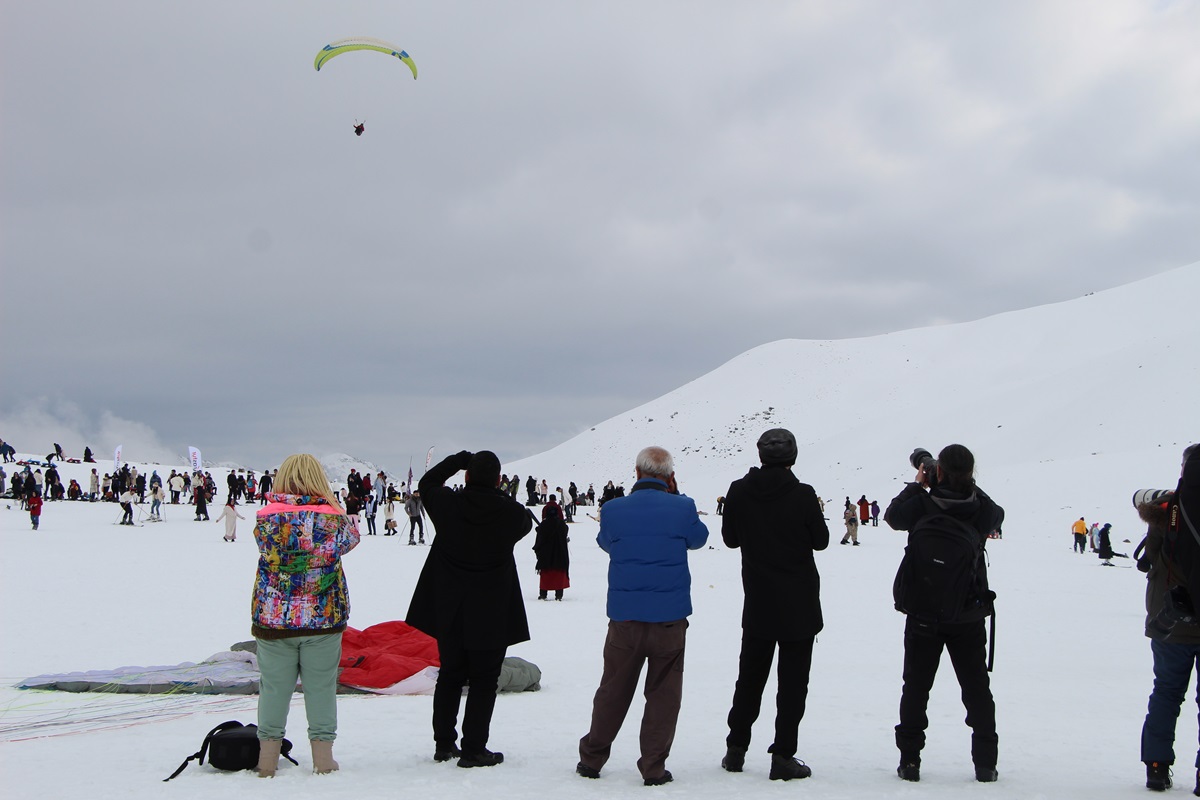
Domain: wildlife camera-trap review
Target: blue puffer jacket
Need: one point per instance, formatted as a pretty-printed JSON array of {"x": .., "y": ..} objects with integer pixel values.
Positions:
[{"x": 647, "y": 535}]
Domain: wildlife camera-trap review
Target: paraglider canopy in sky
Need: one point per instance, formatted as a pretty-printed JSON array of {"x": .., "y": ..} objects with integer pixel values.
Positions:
[{"x": 363, "y": 43}]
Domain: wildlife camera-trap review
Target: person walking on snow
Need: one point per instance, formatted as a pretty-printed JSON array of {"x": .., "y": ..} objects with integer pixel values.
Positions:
[
  {"x": 230, "y": 514},
  {"x": 1079, "y": 530},
  {"x": 35, "y": 510},
  {"x": 851, "y": 526}
]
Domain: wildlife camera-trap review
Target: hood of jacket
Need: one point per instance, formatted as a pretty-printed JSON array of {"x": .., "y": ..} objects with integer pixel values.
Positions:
[
  {"x": 769, "y": 483},
  {"x": 480, "y": 505}
]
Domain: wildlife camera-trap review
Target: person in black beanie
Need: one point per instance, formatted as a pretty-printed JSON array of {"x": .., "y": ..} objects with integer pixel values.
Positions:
[
  {"x": 777, "y": 522},
  {"x": 468, "y": 597}
]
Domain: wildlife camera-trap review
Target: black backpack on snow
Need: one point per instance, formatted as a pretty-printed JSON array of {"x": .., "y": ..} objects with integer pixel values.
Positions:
[
  {"x": 942, "y": 578},
  {"x": 231, "y": 746}
]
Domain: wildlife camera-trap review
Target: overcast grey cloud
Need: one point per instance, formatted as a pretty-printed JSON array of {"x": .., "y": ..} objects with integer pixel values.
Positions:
[{"x": 576, "y": 208}]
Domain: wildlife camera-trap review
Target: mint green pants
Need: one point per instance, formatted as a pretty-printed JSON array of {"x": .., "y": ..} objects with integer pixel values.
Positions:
[{"x": 312, "y": 659}]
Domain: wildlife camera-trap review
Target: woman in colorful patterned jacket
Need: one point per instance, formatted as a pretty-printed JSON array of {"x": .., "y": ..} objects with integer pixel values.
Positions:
[{"x": 300, "y": 607}]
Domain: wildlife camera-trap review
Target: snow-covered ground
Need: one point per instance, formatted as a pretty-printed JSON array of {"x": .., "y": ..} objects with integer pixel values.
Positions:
[{"x": 1069, "y": 409}]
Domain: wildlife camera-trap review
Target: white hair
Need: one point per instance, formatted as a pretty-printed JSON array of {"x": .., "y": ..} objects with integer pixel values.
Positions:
[{"x": 656, "y": 462}]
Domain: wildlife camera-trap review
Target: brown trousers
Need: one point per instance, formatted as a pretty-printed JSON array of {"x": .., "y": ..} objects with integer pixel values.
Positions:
[{"x": 628, "y": 646}]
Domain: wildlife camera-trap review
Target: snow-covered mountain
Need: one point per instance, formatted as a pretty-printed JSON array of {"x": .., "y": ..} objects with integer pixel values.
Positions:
[{"x": 1106, "y": 383}]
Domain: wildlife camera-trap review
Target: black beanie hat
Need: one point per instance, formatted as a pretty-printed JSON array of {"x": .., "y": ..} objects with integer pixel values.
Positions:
[
  {"x": 483, "y": 469},
  {"x": 777, "y": 448}
]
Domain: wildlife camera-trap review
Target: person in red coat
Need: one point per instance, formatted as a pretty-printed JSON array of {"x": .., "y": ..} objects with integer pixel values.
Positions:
[{"x": 35, "y": 509}]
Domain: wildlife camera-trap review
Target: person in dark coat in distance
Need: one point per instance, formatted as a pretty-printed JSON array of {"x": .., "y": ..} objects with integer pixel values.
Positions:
[
  {"x": 951, "y": 491},
  {"x": 553, "y": 557},
  {"x": 777, "y": 523},
  {"x": 468, "y": 597}
]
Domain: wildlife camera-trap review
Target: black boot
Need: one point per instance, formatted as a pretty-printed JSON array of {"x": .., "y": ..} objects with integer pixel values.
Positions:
[
  {"x": 542, "y": 595},
  {"x": 482, "y": 758},
  {"x": 735, "y": 759},
  {"x": 910, "y": 767},
  {"x": 1158, "y": 776},
  {"x": 785, "y": 768},
  {"x": 445, "y": 752}
]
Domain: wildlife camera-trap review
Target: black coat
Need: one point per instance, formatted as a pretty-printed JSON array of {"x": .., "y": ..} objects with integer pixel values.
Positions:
[
  {"x": 468, "y": 590},
  {"x": 776, "y": 521},
  {"x": 550, "y": 546}
]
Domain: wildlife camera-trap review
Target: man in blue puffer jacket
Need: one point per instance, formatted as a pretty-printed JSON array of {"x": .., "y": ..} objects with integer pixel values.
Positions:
[{"x": 646, "y": 535}]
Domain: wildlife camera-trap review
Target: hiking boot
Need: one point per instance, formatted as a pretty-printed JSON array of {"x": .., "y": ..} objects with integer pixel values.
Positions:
[
  {"x": 268, "y": 757},
  {"x": 322, "y": 756},
  {"x": 1158, "y": 776},
  {"x": 856, "y": 544},
  {"x": 735, "y": 759},
  {"x": 843, "y": 541},
  {"x": 445, "y": 752},
  {"x": 482, "y": 758},
  {"x": 986, "y": 774},
  {"x": 665, "y": 778},
  {"x": 421, "y": 540},
  {"x": 584, "y": 771},
  {"x": 785, "y": 768},
  {"x": 909, "y": 772}
]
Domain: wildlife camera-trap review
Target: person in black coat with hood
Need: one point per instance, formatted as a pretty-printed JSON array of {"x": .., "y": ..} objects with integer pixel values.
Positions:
[
  {"x": 951, "y": 491},
  {"x": 468, "y": 597},
  {"x": 777, "y": 522}
]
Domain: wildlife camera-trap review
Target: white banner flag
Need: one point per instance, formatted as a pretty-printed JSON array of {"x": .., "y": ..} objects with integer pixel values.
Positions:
[
  {"x": 428, "y": 458},
  {"x": 194, "y": 457},
  {"x": 117, "y": 457}
]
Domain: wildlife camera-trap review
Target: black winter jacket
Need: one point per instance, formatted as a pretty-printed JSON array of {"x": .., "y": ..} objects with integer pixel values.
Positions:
[
  {"x": 776, "y": 521},
  {"x": 468, "y": 590}
]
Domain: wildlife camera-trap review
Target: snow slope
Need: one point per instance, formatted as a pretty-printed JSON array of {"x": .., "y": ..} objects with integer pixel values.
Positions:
[{"x": 1069, "y": 408}]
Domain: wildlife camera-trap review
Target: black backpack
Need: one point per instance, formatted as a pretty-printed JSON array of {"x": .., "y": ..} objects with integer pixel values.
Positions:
[
  {"x": 231, "y": 746},
  {"x": 942, "y": 578}
]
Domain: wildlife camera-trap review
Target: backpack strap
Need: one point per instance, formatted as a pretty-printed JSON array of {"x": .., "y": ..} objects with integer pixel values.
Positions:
[
  {"x": 992, "y": 641},
  {"x": 203, "y": 751}
]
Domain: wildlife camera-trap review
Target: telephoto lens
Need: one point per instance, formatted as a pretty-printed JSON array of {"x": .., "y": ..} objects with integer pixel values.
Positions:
[{"x": 1145, "y": 496}]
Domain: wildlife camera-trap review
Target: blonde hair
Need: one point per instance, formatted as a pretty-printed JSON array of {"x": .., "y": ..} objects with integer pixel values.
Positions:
[{"x": 302, "y": 474}]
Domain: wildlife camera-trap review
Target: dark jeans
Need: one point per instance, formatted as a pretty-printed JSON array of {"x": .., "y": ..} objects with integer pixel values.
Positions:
[
  {"x": 481, "y": 668},
  {"x": 629, "y": 645},
  {"x": 414, "y": 524},
  {"x": 1173, "y": 665},
  {"x": 1080, "y": 542},
  {"x": 967, "y": 645},
  {"x": 754, "y": 667}
]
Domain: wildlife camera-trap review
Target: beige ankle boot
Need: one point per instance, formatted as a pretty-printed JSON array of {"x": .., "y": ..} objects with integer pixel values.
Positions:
[
  {"x": 322, "y": 756},
  {"x": 268, "y": 757}
]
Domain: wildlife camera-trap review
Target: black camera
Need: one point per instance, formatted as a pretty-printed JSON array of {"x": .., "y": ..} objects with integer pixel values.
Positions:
[
  {"x": 1176, "y": 608},
  {"x": 923, "y": 458}
]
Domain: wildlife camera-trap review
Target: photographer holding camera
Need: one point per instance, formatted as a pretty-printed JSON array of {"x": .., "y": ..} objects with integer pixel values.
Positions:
[
  {"x": 942, "y": 589},
  {"x": 1171, "y": 561}
]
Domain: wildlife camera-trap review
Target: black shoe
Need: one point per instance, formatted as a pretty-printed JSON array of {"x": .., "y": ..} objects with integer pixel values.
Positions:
[
  {"x": 734, "y": 760},
  {"x": 420, "y": 541},
  {"x": 1158, "y": 776},
  {"x": 445, "y": 753},
  {"x": 541, "y": 595},
  {"x": 785, "y": 768},
  {"x": 483, "y": 758},
  {"x": 909, "y": 772},
  {"x": 856, "y": 544},
  {"x": 666, "y": 777},
  {"x": 584, "y": 771},
  {"x": 986, "y": 774}
]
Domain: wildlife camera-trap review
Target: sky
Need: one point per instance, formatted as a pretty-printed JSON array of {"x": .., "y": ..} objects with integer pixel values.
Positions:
[{"x": 575, "y": 209}]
